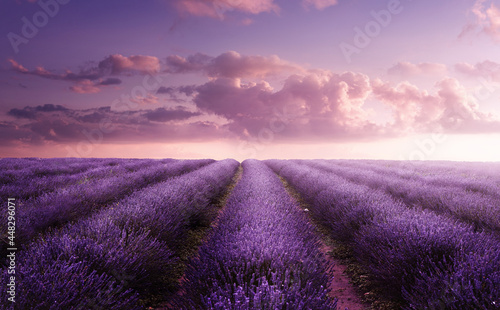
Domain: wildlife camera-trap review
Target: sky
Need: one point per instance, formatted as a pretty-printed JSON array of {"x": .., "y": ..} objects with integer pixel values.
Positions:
[{"x": 353, "y": 79}]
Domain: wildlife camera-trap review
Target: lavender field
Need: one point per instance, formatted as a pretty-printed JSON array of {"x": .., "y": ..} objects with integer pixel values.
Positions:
[{"x": 206, "y": 234}]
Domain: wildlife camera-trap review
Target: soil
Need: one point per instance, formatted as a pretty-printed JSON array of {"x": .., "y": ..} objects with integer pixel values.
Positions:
[
  {"x": 341, "y": 288},
  {"x": 347, "y": 294}
]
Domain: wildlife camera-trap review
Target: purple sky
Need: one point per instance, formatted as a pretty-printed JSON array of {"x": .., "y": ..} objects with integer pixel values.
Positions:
[{"x": 250, "y": 78}]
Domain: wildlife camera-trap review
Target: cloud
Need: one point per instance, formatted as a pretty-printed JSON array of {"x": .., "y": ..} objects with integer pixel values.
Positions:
[
  {"x": 486, "y": 69},
  {"x": 22, "y": 113},
  {"x": 111, "y": 65},
  {"x": 408, "y": 69},
  {"x": 192, "y": 63},
  {"x": 90, "y": 74},
  {"x": 31, "y": 112},
  {"x": 486, "y": 20},
  {"x": 117, "y": 64},
  {"x": 17, "y": 67},
  {"x": 218, "y": 9},
  {"x": 232, "y": 65},
  {"x": 237, "y": 100},
  {"x": 93, "y": 87},
  {"x": 174, "y": 93},
  {"x": 187, "y": 90},
  {"x": 110, "y": 81},
  {"x": 319, "y": 105},
  {"x": 450, "y": 109},
  {"x": 91, "y": 80},
  {"x": 319, "y": 4},
  {"x": 149, "y": 99},
  {"x": 50, "y": 108},
  {"x": 39, "y": 125},
  {"x": 85, "y": 87},
  {"x": 166, "y": 115},
  {"x": 166, "y": 90},
  {"x": 12, "y": 134},
  {"x": 247, "y": 21},
  {"x": 326, "y": 105}
]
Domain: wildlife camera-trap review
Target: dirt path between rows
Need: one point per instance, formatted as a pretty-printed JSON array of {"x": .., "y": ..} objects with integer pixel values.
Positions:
[{"x": 340, "y": 286}]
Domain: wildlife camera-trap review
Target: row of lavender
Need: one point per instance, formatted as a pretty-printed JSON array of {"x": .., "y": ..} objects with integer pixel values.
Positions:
[
  {"x": 20, "y": 168},
  {"x": 44, "y": 175},
  {"x": 470, "y": 195},
  {"x": 102, "y": 187},
  {"x": 466, "y": 170},
  {"x": 427, "y": 260},
  {"x": 122, "y": 254},
  {"x": 263, "y": 254}
]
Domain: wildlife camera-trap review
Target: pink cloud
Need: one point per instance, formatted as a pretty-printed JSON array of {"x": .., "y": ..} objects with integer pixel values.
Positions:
[
  {"x": 486, "y": 20},
  {"x": 450, "y": 108},
  {"x": 91, "y": 80},
  {"x": 84, "y": 82},
  {"x": 17, "y": 67},
  {"x": 93, "y": 87},
  {"x": 311, "y": 105},
  {"x": 90, "y": 74},
  {"x": 85, "y": 87},
  {"x": 411, "y": 106},
  {"x": 231, "y": 64},
  {"x": 192, "y": 63},
  {"x": 247, "y": 21},
  {"x": 319, "y": 4},
  {"x": 219, "y": 8},
  {"x": 325, "y": 104},
  {"x": 149, "y": 99},
  {"x": 117, "y": 64},
  {"x": 319, "y": 105},
  {"x": 486, "y": 69},
  {"x": 111, "y": 65},
  {"x": 407, "y": 69},
  {"x": 493, "y": 28}
]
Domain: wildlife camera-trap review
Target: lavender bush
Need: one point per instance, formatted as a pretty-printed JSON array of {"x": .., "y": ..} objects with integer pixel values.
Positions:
[
  {"x": 473, "y": 202},
  {"x": 70, "y": 203},
  {"x": 104, "y": 261},
  {"x": 409, "y": 251},
  {"x": 27, "y": 183},
  {"x": 263, "y": 253},
  {"x": 108, "y": 233}
]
